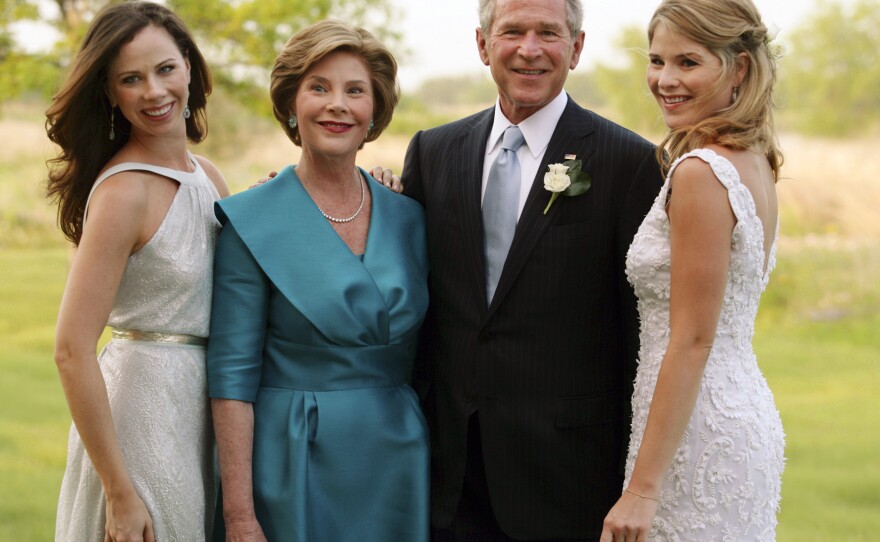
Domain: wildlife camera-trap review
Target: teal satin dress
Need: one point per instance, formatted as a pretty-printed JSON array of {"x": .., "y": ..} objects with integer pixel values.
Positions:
[{"x": 322, "y": 342}]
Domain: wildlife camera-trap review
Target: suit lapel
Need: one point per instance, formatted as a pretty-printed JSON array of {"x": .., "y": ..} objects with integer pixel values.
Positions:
[
  {"x": 570, "y": 137},
  {"x": 467, "y": 183}
]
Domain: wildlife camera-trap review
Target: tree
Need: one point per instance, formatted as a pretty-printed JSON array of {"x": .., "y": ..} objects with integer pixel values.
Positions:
[
  {"x": 830, "y": 77},
  {"x": 239, "y": 38},
  {"x": 19, "y": 71}
]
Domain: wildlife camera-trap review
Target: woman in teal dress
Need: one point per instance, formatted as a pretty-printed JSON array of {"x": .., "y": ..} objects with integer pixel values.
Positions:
[{"x": 320, "y": 288}]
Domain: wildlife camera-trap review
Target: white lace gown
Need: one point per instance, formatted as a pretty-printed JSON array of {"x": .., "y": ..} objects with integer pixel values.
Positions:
[
  {"x": 725, "y": 480},
  {"x": 158, "y": 395}
]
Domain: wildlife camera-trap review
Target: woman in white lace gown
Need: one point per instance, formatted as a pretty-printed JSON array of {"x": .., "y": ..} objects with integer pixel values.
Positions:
[
  {"x": 139, "y": 454},
  {"x": 706, "y": 451}
]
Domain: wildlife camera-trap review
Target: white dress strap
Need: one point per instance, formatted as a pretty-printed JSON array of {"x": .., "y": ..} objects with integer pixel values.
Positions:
[
  {"x": 741, "y": 201},
  {"x": 193, "y": 178},
  {"x": 740, "y": 197}
]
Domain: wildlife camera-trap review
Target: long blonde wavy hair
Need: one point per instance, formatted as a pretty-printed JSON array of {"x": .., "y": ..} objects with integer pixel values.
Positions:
[{"x": 726, "y": 28}]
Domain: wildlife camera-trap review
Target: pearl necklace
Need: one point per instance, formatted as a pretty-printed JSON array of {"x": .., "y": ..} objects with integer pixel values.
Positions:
[{"x": 356, "y": 213}]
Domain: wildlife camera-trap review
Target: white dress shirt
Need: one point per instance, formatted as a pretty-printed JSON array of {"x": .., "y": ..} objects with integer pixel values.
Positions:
[{"x": 537, "y": 131}]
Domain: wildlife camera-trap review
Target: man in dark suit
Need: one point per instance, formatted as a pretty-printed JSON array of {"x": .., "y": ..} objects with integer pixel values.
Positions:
[{"x": 526, "y": 384}]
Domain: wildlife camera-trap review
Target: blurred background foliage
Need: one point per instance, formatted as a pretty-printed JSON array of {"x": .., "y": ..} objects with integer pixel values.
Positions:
[
  {"x": 238, "y": 37},
  {"x": 828, "y": 88},
  {"x": 829, "y": 82},
  {"x": 816, "y": 335}
]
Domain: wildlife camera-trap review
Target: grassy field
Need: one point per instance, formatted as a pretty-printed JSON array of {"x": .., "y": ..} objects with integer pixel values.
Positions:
[
  {"x": 817, "y": 338},
  {"x": 33, "y": 414}
]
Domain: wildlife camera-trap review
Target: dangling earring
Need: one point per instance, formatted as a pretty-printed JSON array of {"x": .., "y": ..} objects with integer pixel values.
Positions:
[
  {"x": 292, "y": 122},
  {"x": 186, "y": 112},
  {"x": 112, "y": 123},
  {"x": 735, "y": 95},
  {"x": 370, "y": 129}
]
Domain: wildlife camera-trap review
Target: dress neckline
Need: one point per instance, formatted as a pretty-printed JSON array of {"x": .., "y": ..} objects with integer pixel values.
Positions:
[{"x": 189, "y": 178}]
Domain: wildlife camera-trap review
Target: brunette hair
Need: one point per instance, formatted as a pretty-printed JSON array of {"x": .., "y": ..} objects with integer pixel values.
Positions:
[
  {"x": 309, "y": 46},
  {"x": 80, "y": 115},
  {"x": 726, "y": 28}
]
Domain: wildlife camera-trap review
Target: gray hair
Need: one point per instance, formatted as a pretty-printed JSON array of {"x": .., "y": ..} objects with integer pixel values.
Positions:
[{"x": 574, "y": 16}]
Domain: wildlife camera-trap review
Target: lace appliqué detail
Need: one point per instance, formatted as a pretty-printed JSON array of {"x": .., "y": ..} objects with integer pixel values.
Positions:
[{"x": 725, "y": 480}]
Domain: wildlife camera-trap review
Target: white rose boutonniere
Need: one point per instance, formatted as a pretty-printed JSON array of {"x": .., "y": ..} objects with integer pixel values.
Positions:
[
  {"x": 566, "y": 179},
  {"x": 556, "y": 179}
]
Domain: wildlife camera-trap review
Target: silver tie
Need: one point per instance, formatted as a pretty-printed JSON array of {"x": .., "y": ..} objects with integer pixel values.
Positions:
[{"x": 500, "y": 205}]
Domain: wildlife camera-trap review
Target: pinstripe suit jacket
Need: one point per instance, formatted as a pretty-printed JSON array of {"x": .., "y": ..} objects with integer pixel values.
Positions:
[{"x": 549, "y": 364}]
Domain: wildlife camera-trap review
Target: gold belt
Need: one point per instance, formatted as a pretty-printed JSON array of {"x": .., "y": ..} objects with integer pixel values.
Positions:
[{"x": 156, "y": 337}]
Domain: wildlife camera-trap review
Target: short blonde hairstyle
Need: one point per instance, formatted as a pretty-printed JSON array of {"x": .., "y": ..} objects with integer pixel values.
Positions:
[
  {"x": 309, "y": 46},
  {"x": 726, "y": 28}
]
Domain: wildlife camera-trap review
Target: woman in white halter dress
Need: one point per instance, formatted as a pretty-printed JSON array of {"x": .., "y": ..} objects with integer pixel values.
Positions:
[
  {"x": 139, "y": 207},
  {"x": 707, "y": 447},
  {"x": 154, "y": 370}
]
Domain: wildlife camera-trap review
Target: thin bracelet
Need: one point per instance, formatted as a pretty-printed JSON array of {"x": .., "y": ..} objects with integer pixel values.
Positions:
[{"x": 628, "y": 490}]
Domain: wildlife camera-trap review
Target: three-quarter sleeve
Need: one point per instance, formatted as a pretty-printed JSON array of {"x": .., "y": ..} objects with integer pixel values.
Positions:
[{"x": 238, "y": 320}]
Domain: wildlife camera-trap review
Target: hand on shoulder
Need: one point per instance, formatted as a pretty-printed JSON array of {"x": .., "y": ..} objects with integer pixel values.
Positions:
[
  {"x": 388, "y": 179},
  {"x": 269, "y": 176},
  {"x": 384, "y": 175}
]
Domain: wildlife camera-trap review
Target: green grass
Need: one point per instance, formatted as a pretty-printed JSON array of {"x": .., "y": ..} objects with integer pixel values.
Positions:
[
  {"x": 826, "y": 389},
  {"x": 33, "y": 413},
  {"x": 818, "y": 349},
  {"x": 817, "y": 338},
  {"x": 817, "y": 342}
]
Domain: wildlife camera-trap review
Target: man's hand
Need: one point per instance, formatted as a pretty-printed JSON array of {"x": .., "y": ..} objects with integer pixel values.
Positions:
[
  {"x": 387, "y": 178},
  {"x": 383, "y": 175}
]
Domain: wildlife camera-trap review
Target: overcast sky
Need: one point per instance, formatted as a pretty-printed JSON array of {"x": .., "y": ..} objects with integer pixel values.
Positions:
[{"x": 440, "y": 33}]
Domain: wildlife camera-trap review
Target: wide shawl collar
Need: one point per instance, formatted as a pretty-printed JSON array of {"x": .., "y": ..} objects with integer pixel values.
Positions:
[
  {"x": 299, "y": 251},
  {"x": 570, "y": 136}
]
